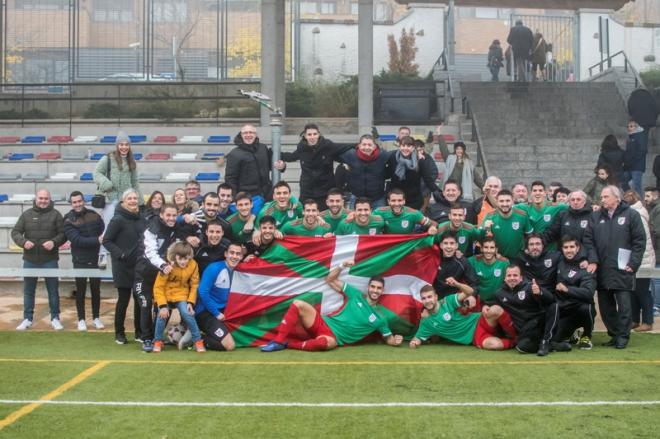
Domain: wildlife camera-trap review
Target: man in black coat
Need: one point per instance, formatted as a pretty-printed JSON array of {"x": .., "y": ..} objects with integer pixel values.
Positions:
[
  {"x": 521, "y": 40},
  {"x": 249, "y": 165},
  {"x": 574, "y": 222},
  {"x": 83, "y": 228},
  {"x": 317, "y": 156},
  {"x": 539, "y": 263},
  {"x": 618, "y": 239},
  {"x": 455, "y": 271},
  {"x": 451, "y": 194}
]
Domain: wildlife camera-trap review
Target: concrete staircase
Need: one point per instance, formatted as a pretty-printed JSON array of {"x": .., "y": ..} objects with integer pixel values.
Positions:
[{"x": 544, "y": 131}]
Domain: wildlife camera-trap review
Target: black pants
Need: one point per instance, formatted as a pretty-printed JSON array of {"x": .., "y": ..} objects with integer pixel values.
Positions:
[
  {"x": 81, "y": 290},
  {"x": 214, "y": 330},
  {"x": 541, "y": 327},
  {"x": 143, "y": 291},
  {"x": 616, "y": 312},
  {"x": 574, "y": 316},
  {"x": 124, "y": 297},
  {"x": 641, "y": 301}
]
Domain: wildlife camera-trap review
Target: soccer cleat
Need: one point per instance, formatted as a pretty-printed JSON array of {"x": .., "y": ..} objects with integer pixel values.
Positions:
[
  {"x": 56, "y": 324},
  {"x": 560, "y": 346},
  {"x": 157, "y": 347},
  {"x": 98, "y": 324},
  {"x": 273, "y": 346},
  {"x": 585, "y": 343},
  {"x": 147, "y": 346},
  {"x": 25, "y": 324},
  {"x": 103, "y": 261},
  {"x": 138, "y": 339},
  {"x": 120, "y": 338},
  {"x": 575, "y": 338},
  {"x": 544, "y": 348},
  {"x": 610, "y": 342},
  {"x": 185, "y": 340},
  {"x": 620, "y": 344},
  {"x": 199, "y": 346},
  {"x": 82, "y": 326}
]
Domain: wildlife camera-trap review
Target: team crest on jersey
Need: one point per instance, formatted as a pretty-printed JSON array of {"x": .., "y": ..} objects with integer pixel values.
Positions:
[
  {"x": 546, "y": 217},
  {"x": 572, "y": 273},
  {"x": 446, "y": 316},
  {"x": 372, "y": 318},
  {"x": 290, "y": 213},
  {"x": 461, "y": 239},
  {"x": 372, "y": 231},
  {"x": 497, "y": 272},
  {"x": 404, "y": 223},
  {"x": 621, "y": 220},
  {"x": 515, "y": 225},
  {"x": 521, "y": 294},
  {"x": 219, "y": 332},
  {"x": 584, "y": 223},
  {"x": 547, "y": 263}
]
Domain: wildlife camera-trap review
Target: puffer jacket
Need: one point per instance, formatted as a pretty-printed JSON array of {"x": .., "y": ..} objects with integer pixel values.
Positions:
[
  {"x": 83, "y": 230},
  {"x": 248, "y": 168},
  {"x": 366, "y": 179},
  {"x": 180, "y": 285},
  {"x": 635, "y": 156},
  {"x": 119, "y": 181},
  {"x": 654, "y": 223},
  {"x": 122, "y": 239},
  {"x": 648, "y": 260},
  {"x": 38, "y": 226}
]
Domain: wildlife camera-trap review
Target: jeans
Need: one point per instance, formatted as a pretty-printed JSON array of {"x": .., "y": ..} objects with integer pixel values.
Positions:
[
  {"x": 30, "y": 289},
  {"x": 495, "y": 73},
  {"x": 642, "y": 301},
  {"x": 655, "y": 285},
  {"x": 189, "y": 320},
  {"x": 521, "y": 69},
  {"x": 636, "y": 177}
]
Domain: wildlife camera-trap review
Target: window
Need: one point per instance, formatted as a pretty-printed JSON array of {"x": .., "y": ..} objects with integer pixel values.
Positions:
[
  {"x": 486, "y": 12},
  {"x": 466, "y": 12},
  {"x": 170, "y": 11},
  {"x": 328, "y": 8},
  {"x": 308, "y": 8},
  {"x": 354, "y": 8},
  {"x": 42, "y": 4},
  {"x": 113, "y": 10}
]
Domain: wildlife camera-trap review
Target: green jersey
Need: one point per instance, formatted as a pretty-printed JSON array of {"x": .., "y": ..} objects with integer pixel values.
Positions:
[
  {"x": 237, "y": 225},
  {"x": 374, "y": 227},
  {"x": 467, "y": 235},
  {"x": 331, "y": 220},
  {"x": 356, "y": 319},
  {"x": 449, "y": 323},
  {"x": 292, "y": 212},
  {"x": 509, "y": 233},
  {"x": 404, "y": 223},
  {"x": 298, "y": 228},
  {"x": 541, "y": 218},
  {"x": 490, "y": 275}
]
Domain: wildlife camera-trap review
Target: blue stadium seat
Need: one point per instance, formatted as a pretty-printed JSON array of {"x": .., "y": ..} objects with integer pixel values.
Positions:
[
  {"x": 20, "y": 156},
  {"x": 97, "y": 156},
  {"x": 387, "y": 137},
  {"x": 3, "y": 198},
  {"x": 137, "y": 155},
  {"x": 88, "y": 198},
  {"x": 212, "y": 155},
  {"x": 218, "y": 139},
  {"x": 33, "y": 139},
  {"x": 137, "y": 138},
  {"x": 108, "y": 139},
  {"x": 207, "y": 176},
  {"x": 87, "y": 176}
]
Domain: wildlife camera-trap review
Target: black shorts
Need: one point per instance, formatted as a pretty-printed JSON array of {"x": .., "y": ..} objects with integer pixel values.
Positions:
[{"x": 211, "y": 326}]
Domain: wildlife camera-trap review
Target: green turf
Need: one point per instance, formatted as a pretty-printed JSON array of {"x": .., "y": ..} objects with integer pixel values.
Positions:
[{"x": 369, "y": 373}]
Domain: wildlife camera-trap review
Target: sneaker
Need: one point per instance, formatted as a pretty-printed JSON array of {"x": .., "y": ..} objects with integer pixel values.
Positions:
[
  {"x": 82, "y": 326},
  {"x": 147, "y": 346},
  {"x": 544, "y": 348},
  {"x": 585, "y": 343},
  {"x": 610, "y": 342},
  {"x": 103, "y": 261},
  {"x": 656, "y": 311},
  {"x": 25, "y": 324},
  {"x": 157, "y": 347},
  {"x": 199, "y": 346},
  {"x": 273, "y": 346},
  {"x": 120, "y": 338},
  {"x": 560, "y": 346},
  {"x": 644, "y": 327},
  {"x": 185, "y": 341},
  {"x": 98, "y": 324},
  {"x": 57, "y": 325},
  {"x": 138, "y": 339},
  {"x": 575, "y": 338}
]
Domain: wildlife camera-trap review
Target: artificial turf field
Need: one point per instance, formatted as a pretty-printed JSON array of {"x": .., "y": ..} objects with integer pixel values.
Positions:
[{"x": 73, "y": 385}]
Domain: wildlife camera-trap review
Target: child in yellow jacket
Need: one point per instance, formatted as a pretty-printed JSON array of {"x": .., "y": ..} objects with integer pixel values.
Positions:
[{"x": 178, "y": 289}]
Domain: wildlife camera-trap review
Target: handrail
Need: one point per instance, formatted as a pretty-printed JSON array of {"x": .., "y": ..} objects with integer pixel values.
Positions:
[
  {"x": 626, "y": 65},
  {"x": 476, "y": 136},
  {"x": 442, "y": 64}
]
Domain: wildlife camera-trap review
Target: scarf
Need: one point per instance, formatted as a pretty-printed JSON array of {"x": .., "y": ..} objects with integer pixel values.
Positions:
[
  {"x": 367, "y": 158},
  {"x": 403, "y": 164}
]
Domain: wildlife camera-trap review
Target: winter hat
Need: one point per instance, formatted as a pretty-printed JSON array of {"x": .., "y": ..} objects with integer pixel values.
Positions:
[{"x": 122, "y": 137}]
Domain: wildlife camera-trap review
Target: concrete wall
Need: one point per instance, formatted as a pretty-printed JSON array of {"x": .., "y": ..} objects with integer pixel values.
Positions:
[{"x": 323, "y": 50}]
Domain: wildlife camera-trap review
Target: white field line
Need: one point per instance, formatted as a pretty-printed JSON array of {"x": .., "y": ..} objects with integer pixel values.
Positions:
[{"x": 334, "y": 404}]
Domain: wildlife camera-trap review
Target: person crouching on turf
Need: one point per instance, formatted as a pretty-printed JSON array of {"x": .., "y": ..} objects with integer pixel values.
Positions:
[
  {"x": 357, "y": 319},
  {"x": 532, "y": 308},
  {"x": 575, "y": 296},
  {"x": 444, "y": 319},
  {"x": 177, "y": 289}
]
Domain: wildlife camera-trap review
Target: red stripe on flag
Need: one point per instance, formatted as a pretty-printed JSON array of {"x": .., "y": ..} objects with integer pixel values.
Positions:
[
  {"x": 372, "y": 245},
  {"x": 243, "y": 307},
  {"x": 265, "y": 268},
  {"x": 422, "y": 263},
  {"x": 403, "y": 305},
  {"x": 315, "y": 249}
]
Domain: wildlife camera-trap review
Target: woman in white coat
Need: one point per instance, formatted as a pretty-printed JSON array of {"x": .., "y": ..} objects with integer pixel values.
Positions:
[{"x": 459, "y": 167}]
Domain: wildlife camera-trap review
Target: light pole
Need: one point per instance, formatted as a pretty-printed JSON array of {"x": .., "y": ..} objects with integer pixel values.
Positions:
[{"x": 275, "y": 126}]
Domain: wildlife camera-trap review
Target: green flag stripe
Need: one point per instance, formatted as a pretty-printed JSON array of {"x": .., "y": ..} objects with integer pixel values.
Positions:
[
  {"x": 278, "y": 254},
  {"x": 387, "y": 259}
]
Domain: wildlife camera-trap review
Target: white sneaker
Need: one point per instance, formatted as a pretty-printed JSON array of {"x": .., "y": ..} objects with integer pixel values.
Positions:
[
  {"x": 98, "y": 324},
  {"x": 25, "y": 324},
  {"x": 103, "y": 260},
  {"x": 57, "y": 325},
  {"x": 185, "y": 341},
  {"x": 82, "y": 326}
]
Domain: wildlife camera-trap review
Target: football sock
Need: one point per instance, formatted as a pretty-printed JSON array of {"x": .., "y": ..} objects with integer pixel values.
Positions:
[
  {"x": 288, "y": 324},
  {"x": 311, "y": 345},
  {"x": 506, "y": 324},
  {"x": 507, "y": 343}
]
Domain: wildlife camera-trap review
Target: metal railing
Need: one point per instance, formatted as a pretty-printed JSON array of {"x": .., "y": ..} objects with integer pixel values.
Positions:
[
  {"x": 476, "y": 137},
  {"x": 443, "y": 65},
  {"x": 627, "y": 65},
  {"x": 131, "y": 102}
]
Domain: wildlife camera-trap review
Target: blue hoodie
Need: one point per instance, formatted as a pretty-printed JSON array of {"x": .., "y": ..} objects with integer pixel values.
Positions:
[{"x": 213, "y": 290}]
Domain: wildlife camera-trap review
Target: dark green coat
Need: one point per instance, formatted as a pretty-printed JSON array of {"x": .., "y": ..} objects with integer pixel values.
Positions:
[{"x": 39, "y": 225}]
